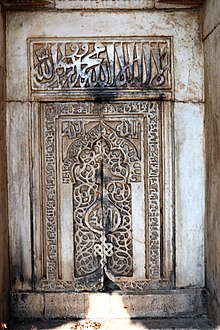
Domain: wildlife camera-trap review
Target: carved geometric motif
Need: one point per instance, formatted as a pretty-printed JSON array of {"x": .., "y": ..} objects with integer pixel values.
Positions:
[
  {"x": 103, "y": 163},
  {"x": 105, "y": 151}
]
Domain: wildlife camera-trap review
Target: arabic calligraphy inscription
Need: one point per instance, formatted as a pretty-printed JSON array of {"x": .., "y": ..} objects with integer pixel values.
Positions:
[{"x": 120, "y": 64}]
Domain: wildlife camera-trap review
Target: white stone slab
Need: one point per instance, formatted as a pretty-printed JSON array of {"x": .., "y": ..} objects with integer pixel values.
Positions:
[
  {"x": 66, "y": 232},
  {"x": 183, "y": 26},
  {"x": 103, "y": 4},
  {"x": 189, "y": 194},
  {"x": 139, "y": 235},
  {"x": 100, "y": 306},
  {"x": 18, "y": 195}
]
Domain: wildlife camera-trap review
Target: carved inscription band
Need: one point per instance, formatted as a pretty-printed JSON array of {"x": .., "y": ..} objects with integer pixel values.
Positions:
[{"x": 73, "y": 64}]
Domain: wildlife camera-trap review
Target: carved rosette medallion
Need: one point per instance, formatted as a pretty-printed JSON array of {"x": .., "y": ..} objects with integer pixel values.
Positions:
[{"x": 95, "y": 158}]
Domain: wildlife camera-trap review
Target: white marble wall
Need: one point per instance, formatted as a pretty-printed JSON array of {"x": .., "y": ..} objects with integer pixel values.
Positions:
[{"x": 184, "y": 27}]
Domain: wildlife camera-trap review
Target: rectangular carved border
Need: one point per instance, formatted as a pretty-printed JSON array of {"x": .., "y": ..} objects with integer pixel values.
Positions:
[
  {"x": 70, "y": 68},
  {"x": 47, "y": 259}
]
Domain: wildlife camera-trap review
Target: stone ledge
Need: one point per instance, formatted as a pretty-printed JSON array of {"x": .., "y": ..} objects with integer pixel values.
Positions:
[
  {"x": 134, "y": 324},
  {"x": 177, "y": 4},
  {"x": 100, "y": 4},
  {"x": 174, "y": 303}
]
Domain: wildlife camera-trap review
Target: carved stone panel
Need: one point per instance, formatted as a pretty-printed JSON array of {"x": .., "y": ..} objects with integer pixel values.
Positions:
[
  {"x": 101, "y": 175},
  {"x": 100, "y": 65}
]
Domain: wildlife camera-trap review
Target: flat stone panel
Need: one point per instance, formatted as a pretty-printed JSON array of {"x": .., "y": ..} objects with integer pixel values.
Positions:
[
  {"x": 184, "y": 27},
  {"x": 189, "y": 194},
  {"x": 18, "y": 195},
  {"x": 101, "y": 306},
  {"x": 70, "y": 305},
  {"x": 211, "y": 16},
  {"x": 27, "y": 305},
  {"x": 169, "y": 304},
  {"x": 212, "y": 138},
  {"x": 104, "y": 4}
]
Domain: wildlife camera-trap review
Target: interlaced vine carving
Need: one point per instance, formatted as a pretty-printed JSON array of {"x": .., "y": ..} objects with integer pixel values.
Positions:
[
  {"x": 102, "y": 200},
  {"x": 102, "y": 163}
]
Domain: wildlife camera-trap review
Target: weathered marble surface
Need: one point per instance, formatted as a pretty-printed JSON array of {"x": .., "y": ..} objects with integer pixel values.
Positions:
[
  {"x": 104, "y": 4},
  {"x": 18, "y": 194},
  {"x": 184, "y": 27},
  {"x": 189, "y": 193},
  {"x": 4, "y": 280},
  {"x": 212, "y": 138},
  {"x": 116, "y": 306}
]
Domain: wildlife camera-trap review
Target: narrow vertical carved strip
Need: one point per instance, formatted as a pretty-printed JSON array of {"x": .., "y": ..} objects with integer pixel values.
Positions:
[
  {"x": 50, "y": 191},
  {"x": 154, "y": 192}
]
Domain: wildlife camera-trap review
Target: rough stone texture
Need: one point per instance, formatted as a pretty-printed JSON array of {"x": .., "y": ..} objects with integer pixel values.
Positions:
[
  {"x": 107, "y": 306},
  {"x": 30, "y": 305},
  {"x": 133, "y": 324},
  {"x": 189, "y": 197},
  {"x": 4, "y": 283},
  {"x": 212, "y": 135}
]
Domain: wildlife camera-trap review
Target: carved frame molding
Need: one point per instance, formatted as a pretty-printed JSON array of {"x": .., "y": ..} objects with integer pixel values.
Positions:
[{"x": 47, "y": 263}]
